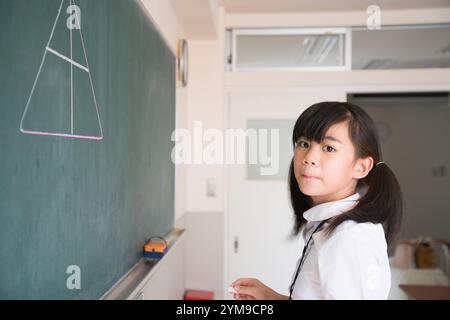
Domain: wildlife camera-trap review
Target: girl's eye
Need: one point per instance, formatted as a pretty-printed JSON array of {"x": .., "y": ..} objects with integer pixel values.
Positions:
[
  {"x": 302, "y": 144},
  {"x": 329, "y": 149}
]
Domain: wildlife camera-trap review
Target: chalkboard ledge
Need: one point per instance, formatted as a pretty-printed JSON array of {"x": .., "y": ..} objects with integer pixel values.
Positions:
[{"x": 141, "y": 271}]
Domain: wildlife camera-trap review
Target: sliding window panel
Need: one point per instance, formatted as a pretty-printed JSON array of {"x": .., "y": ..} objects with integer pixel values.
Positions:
[{"x": 290, "y": 49}]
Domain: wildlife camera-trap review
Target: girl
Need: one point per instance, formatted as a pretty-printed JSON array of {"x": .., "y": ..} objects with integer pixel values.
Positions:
[{"x": 342, "y": 194}]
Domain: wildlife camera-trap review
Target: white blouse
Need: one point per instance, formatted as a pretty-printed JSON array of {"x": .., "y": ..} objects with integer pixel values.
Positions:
[{"x": 351, "y": 264}]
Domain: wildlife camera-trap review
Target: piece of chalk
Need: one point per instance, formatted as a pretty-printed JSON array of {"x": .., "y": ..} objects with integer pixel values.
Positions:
[{"x": 231, "y": 290}]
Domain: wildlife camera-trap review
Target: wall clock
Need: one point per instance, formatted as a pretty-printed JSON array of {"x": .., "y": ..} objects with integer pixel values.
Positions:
[{"x": 183, "y": 62}]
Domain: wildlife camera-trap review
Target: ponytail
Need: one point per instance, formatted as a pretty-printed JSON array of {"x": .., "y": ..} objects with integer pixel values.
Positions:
[{"x": 382, "y": 203}]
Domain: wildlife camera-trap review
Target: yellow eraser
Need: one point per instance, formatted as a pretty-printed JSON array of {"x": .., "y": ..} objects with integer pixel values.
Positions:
[{"x": 153, "y": 246}]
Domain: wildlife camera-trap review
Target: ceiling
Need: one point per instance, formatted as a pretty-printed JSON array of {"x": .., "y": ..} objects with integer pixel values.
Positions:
[
  {"x": 197, "y": 17},
  {"x": 278, "y": 6}
]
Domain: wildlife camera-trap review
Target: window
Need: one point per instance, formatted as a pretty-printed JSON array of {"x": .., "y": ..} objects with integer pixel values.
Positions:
[
  {"x": 391, "y": 47},
  {"x": 401, "y": 47},
  {"x": 290, "y": 49}
]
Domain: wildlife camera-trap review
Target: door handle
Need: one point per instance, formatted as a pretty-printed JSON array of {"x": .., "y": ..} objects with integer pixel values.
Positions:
[{"x": 236, "y": 245}]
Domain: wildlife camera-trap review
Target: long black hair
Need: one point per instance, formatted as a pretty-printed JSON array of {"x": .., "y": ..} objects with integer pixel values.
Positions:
[{"x": 383, "y": 200}]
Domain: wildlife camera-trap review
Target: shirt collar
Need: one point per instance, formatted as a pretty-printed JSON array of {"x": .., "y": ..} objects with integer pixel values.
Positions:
[{"x": 331, "y": 209}]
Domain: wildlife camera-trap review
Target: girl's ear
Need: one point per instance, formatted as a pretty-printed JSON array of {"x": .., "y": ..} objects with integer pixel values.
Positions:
[{"x": 362, "y": 167}]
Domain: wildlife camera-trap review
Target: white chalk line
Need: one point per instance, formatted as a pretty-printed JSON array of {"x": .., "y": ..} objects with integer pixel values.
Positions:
[
  {"x": 76, "y": 64},
  {"x": 72, "y": 63}
]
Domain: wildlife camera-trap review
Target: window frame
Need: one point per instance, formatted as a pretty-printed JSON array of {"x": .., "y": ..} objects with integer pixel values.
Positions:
[{"x": 345, "y": 50}]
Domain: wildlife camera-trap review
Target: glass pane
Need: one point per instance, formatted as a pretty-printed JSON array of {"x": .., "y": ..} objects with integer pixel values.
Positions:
[
  {"x": 289, "y": 51},
  {"x": 401, "y": 48},
  {"x": 273, "y": 158}
]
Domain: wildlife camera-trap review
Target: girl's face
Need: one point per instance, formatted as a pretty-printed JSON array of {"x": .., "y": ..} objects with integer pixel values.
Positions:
[{"x": 329, "y": 171}]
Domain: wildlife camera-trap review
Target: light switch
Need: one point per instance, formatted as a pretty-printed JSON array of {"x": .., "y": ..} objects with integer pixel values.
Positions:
[{"x": 211, "y": 188}]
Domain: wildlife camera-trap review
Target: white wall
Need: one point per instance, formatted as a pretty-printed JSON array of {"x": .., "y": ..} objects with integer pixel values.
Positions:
[
  {"x": 336, "y": 19},
  {"x": 205, "y": 263},
  {"x": 205, "y": 104}
]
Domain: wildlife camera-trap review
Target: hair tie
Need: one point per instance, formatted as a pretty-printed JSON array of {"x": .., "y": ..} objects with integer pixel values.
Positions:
[{"x": 380, "y": 163}]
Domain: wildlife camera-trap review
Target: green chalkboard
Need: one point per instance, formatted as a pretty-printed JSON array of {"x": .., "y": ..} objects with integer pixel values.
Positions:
[{"x": 91, "y": 198}]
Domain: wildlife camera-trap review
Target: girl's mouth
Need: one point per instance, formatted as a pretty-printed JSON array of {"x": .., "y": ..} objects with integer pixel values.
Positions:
[{"x": 308, "y": 177}]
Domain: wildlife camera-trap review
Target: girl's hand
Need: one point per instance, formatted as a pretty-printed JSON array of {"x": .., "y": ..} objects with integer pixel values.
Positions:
[{"x": 253, "y": 289}]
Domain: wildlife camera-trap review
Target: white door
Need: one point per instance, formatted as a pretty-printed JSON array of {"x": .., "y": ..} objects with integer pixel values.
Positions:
[{"x": 259, "y": 216}]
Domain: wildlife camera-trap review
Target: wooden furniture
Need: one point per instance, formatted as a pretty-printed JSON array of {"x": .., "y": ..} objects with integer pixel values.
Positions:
[{"x": 426, "y": 292}]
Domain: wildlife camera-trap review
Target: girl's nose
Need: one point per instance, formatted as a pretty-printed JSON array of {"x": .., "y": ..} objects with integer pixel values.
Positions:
[
  {"x": 310, "y": 157},
  {"x": 312, "y": 162}
]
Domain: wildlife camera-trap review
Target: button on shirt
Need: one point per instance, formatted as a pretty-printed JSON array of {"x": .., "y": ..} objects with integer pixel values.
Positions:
[{"x": 350, "y": 264}]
